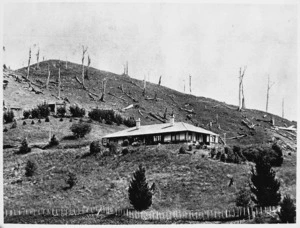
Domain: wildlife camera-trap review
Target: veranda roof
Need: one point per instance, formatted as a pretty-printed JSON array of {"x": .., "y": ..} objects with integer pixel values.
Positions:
[{"x": 158, "y": 129}]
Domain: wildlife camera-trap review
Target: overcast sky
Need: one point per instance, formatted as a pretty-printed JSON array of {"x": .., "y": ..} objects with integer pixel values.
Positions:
[{"x": 208, "y": 41}]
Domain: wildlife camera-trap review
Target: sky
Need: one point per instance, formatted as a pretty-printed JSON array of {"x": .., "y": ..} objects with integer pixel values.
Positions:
[{"x": 210, "y": 42}]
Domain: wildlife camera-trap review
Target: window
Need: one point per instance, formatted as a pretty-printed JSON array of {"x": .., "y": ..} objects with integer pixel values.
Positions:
[{"x": 157, "y": 138}]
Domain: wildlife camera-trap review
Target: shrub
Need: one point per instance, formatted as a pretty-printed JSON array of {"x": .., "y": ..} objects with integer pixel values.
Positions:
[
  {"x": 61, "y": 111},
  {"x": 14, "y": 125},
  {"x": 243, "y": 198},
  {"x": 125, "y": 142},
  {"x": 77, "y": 111},
  {"x": 71, "y": 180},
  {"x": 182, "y": 150},
  {"x": 279, "y": 155},
  {"x": 24, "y": 122},
  {"x": 218, "y": 156},
  {"x": 223, "y": 157},
  {"x": 213, "y": 152},
  {"x": 44, "y": 110},
  {"x": 113, "y": 148},
  {"x": 80, "y": 129},
  {"x": 190, "y": 147},
  {"x": 5, "y": 130},
  {"x": 108, "y": 121},
  {"x": 198, "y": 146},
  {"x": 125, "y": 151},
  {"x": 32, "y": 122},
  {"x": 129, "y": 122},
  {"x": 39, "y": 121},
  {"x": 287, "y": 212},
  {"x": 71, "y": 120},
  {"x": 47, "y": 119},
  {"x": 30, "y": 168},
  {"x": 35, "y": 113},
  {"x": 61, "y": 119},
  {"x": 95, "y": 147},
  {"x": 140, "y": 195},
  {"x": 8, "y": 116},
  {"x": 264, "y": 186},
  {"x": 26, "y": 114},
  {"x": 24, "y": 148},
  {"x": 118, "y": 119},
  {"x": 54, "y": 141}
]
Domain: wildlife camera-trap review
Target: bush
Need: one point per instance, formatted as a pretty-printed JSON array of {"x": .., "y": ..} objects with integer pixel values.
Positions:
[
  {"x": 125, "y": 142},
  {"x": 118, "y": 119},
  {"x": 198, "y": 146},
  {"x": 5, "y": 130},
  {"x": 24, "y": 148},
  {"x": 39, "y": 121},
  {"x": 213, "y": 152},
  {"x": 287, "y": 212},
  {"x": 71, "y": 120},
  {"x": 243, "y": 198},
  {"x": 182, "y": 150},
  {"x": 26, "y": 114},
  {"x": 77, "y": 111},
  {"x": 35, "y": 113},
  {"x": 14, "y": 125},
  {"x": 223, "y": 157},
  {"x": 108, "y": 121},
  {"x": 190, "y": 147},
  {"x": 24, "y": 122},
  {"x": 140, "y": 195},
  {"x": 264, "y": 186},
  {"x": 30, "y": 168},
  {"x": 47, "y": 119},
  {"x": 218, "y": 156},
  {"x": 54, "y": 141},
  {"x": 113, "y": 148},
  {"x": 80, "y": 129},
  {"x": 125, "y": 151},
  {"x": 61, "y": 119},
  {"x": 71, "y": 180},
  {"x": 8, "y": 116},
  {"x": 95, "y": 147},
  {"x": 32, "y": 122},
  {"x": 43, "y": 110},
  {"x": 61, "y": 111},
  {"x": 129, "y": 122},
  {"x": 279, "y": 155}
]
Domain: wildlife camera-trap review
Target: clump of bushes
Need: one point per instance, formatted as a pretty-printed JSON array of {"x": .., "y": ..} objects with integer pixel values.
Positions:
[
  {"x": 41, "y": 111},
  {"x": 61, "y": 111},
  {"x": 129, "y": 122},
  {"x": 24, "y": 122},
  {"x": 113, "y": 148},
  {"x": 80, "y": 129},
  {"x": 53, "y": 142},
  {"x": 182, "y": 150},
  {"x": 32, "y": 122},
  {"x": 76, "y": 111},
  {"x": 26, "y": 114},
  {"x": 125, "y": 151},
  {"x": 190, "y": 147},
  {"x": 8, "y": 116},
  {"x": 24, "y": 148},
  {"x": 95, "y": 147},
  {"x": 287, "y": 212},
  {"x": 47, "y": 119},
  {"x": 71, "y": 180},
  {"x": 30, "y": 168},
  {"x": 243, "y": 197}
]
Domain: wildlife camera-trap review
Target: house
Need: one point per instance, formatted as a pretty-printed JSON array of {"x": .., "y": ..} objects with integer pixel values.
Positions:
[
  {"x": 54, "y": 105},
  {"x": 172, "y": 132}
]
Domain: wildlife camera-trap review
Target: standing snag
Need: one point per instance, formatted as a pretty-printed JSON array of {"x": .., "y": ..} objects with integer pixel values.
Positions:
[
  {"x": 28, "y": 68},
  {"x": 84, "y": 50},
  {"x": 242, "y": 104},
  {"x": 268, "y": 91},
  {"x": 140, "y": 195}
]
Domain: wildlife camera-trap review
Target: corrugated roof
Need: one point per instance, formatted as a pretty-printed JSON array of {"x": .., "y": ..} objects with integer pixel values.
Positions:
[{"x": 159, "y": 128}]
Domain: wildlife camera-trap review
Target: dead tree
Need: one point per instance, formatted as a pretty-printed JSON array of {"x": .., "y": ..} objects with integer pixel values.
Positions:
[
  {"x": 183, "y": 85},
  {"x": 37, "y": 59},
  {"x": 159, "y": 82},
  {"x": 268, "y": 91},
  {"x": 103, "y": 90},
  {"x": 144, "y": 89},
  {"x": 28, "y": 68},
  {"x": 190, "y": 78},
  {"x": 66, "y": 63},
  {"x": 165, "y": 113},
  {"x": 283, "y": 108},
  {"x": 59, "y": 81},
  {"x": 125, "y": 68},
  {"x": 241, "y": 89},
  {"x": 48, "y": 79},
  {"x": 87, "y": 69},
  {"x": 84, "y": 50}
]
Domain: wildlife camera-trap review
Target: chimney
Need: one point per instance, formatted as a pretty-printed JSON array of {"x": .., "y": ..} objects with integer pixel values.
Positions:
[
  {"x": 172, "y": 120},
  {"x": 138, "y": 123}
]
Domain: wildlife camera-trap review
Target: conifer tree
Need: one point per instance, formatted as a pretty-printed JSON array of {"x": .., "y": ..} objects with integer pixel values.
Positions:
[
  {"x": 140, "y": 195},
  {"x": 287, "y": 212},
  {"x": 265, "y": 186}
]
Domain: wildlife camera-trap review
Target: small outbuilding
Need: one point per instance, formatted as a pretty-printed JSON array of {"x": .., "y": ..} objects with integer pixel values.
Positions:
[{"x": 172, "y": 132}]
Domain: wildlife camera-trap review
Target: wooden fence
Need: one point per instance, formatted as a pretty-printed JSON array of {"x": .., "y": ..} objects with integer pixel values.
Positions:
[{"x": 151, "y": 215}]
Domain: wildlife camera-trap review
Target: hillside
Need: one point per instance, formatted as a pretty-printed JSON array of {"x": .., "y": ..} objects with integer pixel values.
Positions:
[{"x": 205, "y": 112}]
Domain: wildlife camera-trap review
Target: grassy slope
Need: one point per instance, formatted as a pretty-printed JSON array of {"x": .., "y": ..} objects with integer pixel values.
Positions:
[{"x": 206, "y": 109}]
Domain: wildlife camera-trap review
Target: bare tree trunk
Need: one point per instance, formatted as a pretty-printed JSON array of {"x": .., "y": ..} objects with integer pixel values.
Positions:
[
  {"x": 59, "y": 82},
  {"x": 37, "y": 59},
  {"x": 190, "y": 83},
  {"x": 127, "y": 68},
  {"x": 66, "y": 63},
  {"x": 48, "y": 79},
  {"x": 159, "y": 82},
  {"x": 103, "y": 90},
  {"x": 283, "y": 108},
  {"x": 28, "y": 68},
  {"x": 241, "y": 89},
  {"x": 88, "y": 67},
  {"x": 82, "y": 60},
  {"x": 184, "y": 86},
  {"x": 268, "y": 91}
]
